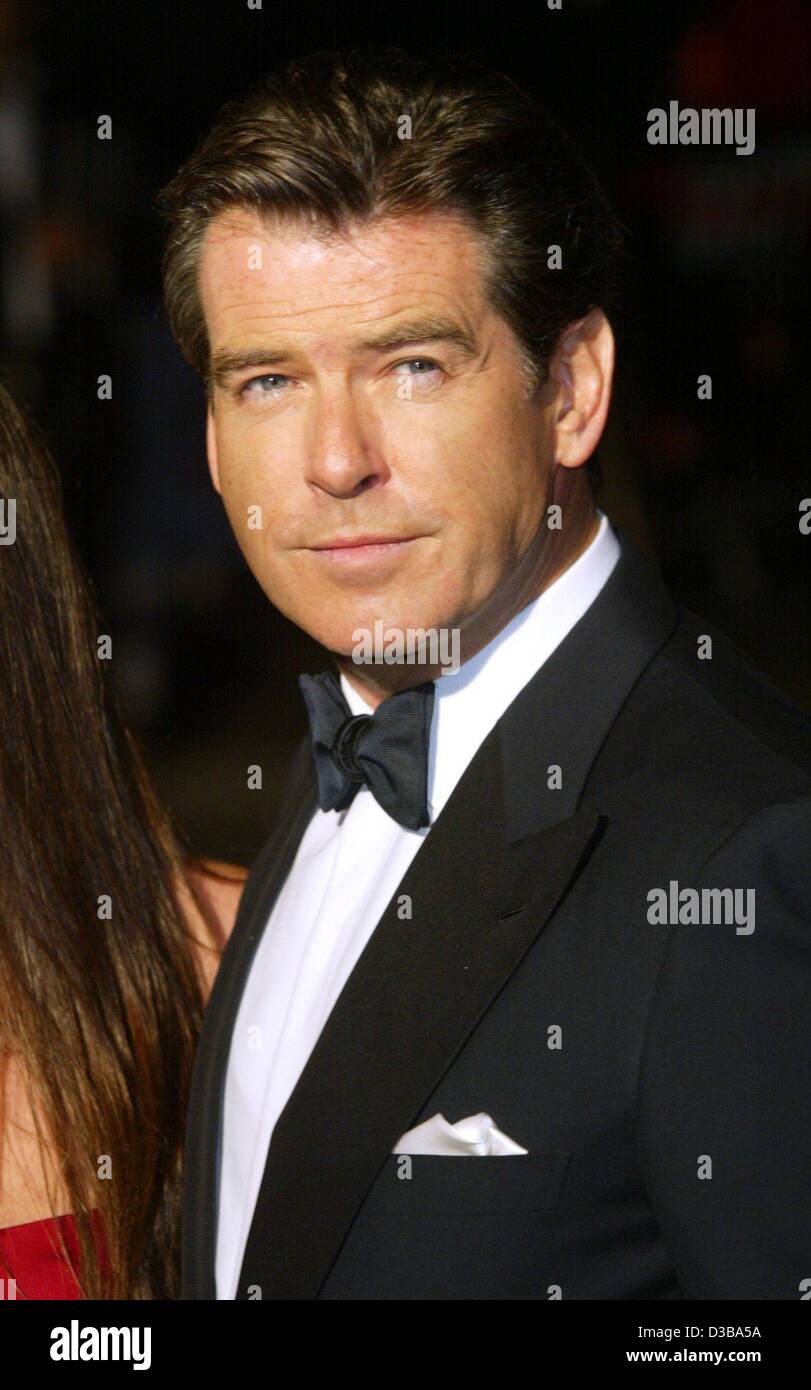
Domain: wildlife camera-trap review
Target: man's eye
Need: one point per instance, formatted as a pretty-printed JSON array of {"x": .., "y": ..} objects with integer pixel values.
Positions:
[
  {"x": 423, "y": 362},
  {"x": 273, "y": 377}
]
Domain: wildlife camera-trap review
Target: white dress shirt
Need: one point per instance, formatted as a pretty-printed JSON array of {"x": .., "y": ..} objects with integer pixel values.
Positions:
[{"x": 347, "y": 868}]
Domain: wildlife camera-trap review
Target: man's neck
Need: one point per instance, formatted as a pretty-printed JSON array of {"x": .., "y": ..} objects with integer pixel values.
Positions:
[{"x": 550, "y": 555}]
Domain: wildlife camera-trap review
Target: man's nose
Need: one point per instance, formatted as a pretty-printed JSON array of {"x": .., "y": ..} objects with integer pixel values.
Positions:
[{"x": 342, "y": 455}]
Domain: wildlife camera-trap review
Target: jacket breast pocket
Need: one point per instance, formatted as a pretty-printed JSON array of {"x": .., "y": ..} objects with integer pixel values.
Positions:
[{"x": 459, "y": 1186}]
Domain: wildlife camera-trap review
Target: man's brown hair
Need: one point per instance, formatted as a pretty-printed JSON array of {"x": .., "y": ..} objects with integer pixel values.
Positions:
[{"x": 325, "y": 141}]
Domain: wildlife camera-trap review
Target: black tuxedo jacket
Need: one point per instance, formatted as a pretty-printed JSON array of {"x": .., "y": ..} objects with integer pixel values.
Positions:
[{"x": 659, "y": 1074}]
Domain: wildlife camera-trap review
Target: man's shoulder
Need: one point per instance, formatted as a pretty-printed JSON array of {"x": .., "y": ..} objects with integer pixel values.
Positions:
[
  {"x": 735, "y": 696},
  {"x": 706, "y": 719}
]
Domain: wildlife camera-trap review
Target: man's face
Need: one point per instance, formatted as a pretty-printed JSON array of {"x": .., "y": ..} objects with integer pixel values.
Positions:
[{"x": 384, "y": 402}]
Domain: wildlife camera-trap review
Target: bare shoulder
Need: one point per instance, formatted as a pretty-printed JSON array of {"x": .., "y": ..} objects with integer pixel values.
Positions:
[
  {"x": 209, "y": 902},
  {"x": 31, "y": 1184}
]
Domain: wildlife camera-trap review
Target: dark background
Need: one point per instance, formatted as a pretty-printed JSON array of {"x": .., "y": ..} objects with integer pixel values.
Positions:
[{"x": 714, "y": 282}]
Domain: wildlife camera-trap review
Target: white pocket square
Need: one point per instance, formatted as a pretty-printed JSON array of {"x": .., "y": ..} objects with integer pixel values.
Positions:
[{"x": 474, "y": 1137}]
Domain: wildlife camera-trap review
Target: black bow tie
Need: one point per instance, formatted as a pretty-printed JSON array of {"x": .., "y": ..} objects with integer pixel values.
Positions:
[{"x": 388, "y": 750}]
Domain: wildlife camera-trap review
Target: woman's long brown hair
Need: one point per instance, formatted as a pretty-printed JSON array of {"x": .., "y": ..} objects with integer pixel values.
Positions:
[{"x": 102, "y": 1013}]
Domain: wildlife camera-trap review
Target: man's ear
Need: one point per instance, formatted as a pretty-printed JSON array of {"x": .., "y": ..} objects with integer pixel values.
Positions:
[
  {"x": 583, "y": 371},
  {"x": 211, "y": 448}
]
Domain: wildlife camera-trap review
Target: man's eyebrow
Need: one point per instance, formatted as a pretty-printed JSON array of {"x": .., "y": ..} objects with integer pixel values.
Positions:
[
  {"x": 423, "y": 330},
  {"x": 227, "y": 362}
]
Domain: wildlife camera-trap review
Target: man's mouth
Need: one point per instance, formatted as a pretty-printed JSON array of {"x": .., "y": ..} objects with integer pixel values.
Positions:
[
  {"x": 362, "y": 552},
  {"x": 361, "y": 542}
]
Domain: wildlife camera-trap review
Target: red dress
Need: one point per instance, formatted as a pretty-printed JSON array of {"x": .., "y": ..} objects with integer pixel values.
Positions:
[{"x": 32, "y": 1255}]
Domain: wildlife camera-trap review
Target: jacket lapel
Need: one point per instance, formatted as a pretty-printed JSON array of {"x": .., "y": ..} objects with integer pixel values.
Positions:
[{"x": 563, "y": 716}]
